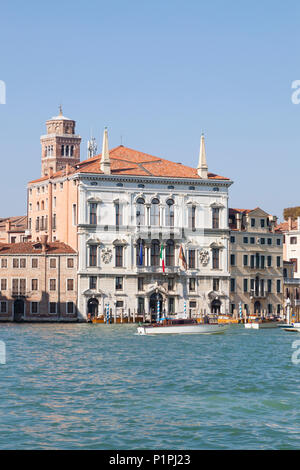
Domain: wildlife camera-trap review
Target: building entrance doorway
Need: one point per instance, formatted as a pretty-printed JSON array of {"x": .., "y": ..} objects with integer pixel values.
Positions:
[
  {"x": 155, "y": 299},
  {"x": 216, "y": 306},
  {"x": 257, "y": 307},
  {"x": 93, "y": 305},
  {"x": 19, "y": 309}
]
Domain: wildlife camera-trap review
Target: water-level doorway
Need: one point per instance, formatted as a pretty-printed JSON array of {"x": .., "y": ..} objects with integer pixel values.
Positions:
[{"x": 19, "y": 310}]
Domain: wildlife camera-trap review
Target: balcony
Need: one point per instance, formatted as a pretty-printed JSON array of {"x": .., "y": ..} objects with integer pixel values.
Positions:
[
  {"x": 19, "y": 293},
  {"x": 158, "y": 269}
]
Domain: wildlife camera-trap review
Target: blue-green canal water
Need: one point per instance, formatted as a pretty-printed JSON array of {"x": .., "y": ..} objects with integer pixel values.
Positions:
[{"x": 87, "y": 386}]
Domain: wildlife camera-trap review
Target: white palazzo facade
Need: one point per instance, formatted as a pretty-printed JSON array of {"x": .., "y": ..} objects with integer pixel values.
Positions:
[{"x": 126, "y": 220}]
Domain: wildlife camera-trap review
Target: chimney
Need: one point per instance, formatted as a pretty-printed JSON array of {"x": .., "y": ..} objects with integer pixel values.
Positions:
[
  {"x": 105, "y": 160},
  {"x": 7, "y": 225},
  {"x": 290, "y": 220},
  {"x": 239, "y": 221},
  {"x": 44, "y": 239}
]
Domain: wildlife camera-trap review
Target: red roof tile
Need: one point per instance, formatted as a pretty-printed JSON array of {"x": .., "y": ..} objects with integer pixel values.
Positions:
[
  {"x": 35, "y": 248},
  {"x": 126, "y": 161}
]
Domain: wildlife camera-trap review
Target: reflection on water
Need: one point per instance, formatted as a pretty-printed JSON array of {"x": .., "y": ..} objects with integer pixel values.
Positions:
[{"x": 103, "y": 387}]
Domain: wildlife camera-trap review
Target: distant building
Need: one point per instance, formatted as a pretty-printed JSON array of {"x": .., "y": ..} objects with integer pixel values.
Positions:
[
  {"x": 14, "y": 230},
  {"x": 256, "y": 262},
  {"x": 125, "y": 212},
  {"x": 291, "y": 289},
  {"x": 291, "y": 248},
  {"x": 38, "y": 282}
]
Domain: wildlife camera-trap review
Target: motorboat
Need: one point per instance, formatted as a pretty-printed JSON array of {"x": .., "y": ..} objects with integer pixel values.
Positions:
[
  {"x": 180, "y": 326},
  {"x": 262, "y": 323}
]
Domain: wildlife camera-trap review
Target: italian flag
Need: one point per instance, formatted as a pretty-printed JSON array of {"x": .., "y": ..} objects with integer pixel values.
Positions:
[{"x": 162, "y": 257}]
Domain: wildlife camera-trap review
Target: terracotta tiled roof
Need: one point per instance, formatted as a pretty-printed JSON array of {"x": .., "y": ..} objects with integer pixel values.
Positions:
[
  {"x": 35, "y": 248},
  {"x": 126, "y": 161},
  {"x": 284, "y": 226},
  {"x": 17, "y": 223}
]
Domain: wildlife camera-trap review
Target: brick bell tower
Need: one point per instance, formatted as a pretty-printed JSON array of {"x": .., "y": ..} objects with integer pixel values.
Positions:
[{"x": 60, "y": 145}]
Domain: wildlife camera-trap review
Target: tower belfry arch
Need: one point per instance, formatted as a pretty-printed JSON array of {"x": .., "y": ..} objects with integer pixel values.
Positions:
[{"x": 60, "y": 145}]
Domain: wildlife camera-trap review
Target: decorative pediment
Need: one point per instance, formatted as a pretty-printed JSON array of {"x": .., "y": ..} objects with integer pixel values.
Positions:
[
  {"x": 217, "y": 245},
  {"x": 95, "y": 200},
  {"x": 156, "y": 288},
  {"x": 217, "y": 205},
  {"x": 93, "y": 294},
  {"x": 93, "y": 241},
  {"x": 138, "y": 196},
  {"x": 119, "y": 241},
  {"x": 192, "y": 202}
]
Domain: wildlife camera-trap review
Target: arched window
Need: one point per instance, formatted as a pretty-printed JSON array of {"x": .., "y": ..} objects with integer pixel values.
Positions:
[
  {"x": 62, "y": 150},
  {"x": 155, "y": 253},
  {"x": 140, "y": 211},
  {"x": 67, "y": 150},
  {"x": 154, "y": 212},
  {"x": 71, "y": 150},
  {"x": 42, "y": 205},
  {"x": 170, "y": 253},
  {"x": 170, "y": 213}
]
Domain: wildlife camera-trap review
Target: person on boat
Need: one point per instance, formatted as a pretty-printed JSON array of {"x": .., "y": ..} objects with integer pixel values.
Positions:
[{"x": 206, "y": 319}]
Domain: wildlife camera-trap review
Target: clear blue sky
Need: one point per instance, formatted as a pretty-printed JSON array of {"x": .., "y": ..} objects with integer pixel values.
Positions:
[{"x": 158, "y": 73}]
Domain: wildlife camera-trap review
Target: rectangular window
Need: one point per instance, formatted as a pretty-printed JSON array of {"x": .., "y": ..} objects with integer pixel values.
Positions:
[
  {"x": 52, "y": 284},
  {"x": 93, "y": 213},
  {"x": 93, "y": 282},
  {"x": 70, "y": 262},
  {"x": 119, "y": 304},
  {"x": 34, "y": 307},
  {"x": 269, "y": 286},
  {"x": 119, "y": 256},
  {"x": 269, "y": 261},
  {"x": 269, "y": 241},
  {"x": 245, "y": 258},
  {"x": 53, "y": 263},
  {"x": 278, "y": 286},
  {"x": 215, "y": 217},
  {"x": 192, "y": 217},
  {"x": 93, "y": 255},
  {"x": 52, "y": 307},
  {"x": 140, "y": 283},
  {"x": 252, "y": 222},
  {"x": 3, "y": 306},
  {"x": 3, "y": 263},
  {"x": 118, "y": 214},
  {"x": 262, "y": 262},
  {"x": 119, "y": 283},
  {"x": 262, "y": 223},
  {"x": 74, "y": 214},
  {"x": 141, "y": 305},
  {"x": 278, "y": 241},
  {"x": 262, "y": 241},
  {"x": 216, "y": 258},
  {"x": 252, "y": 240},
  {"x": 252, "y": 261},
  {"x": 192, "y": 284},
  {"x": 192, "y": 259},
  {"x": 232, "y": 260},
  {"x": 232, "y": 239},
  {"x": 245, "y": 285},
  {"x": 23, "y": 263},
  {"x": 3, "y": 284},
  {"x": 70, "y": 307},
  {"x": 171, "y": 283},
  {"x": 278, "y": 261},
  {"x": 232, "y": 285},
  {"x": 34, "y": 263},
  {"x": 15, "y": 262},
  {"x": 70, "y": 284},
  {"x": 171, "y": 303},
  {"x": 245, "y": 240},
  {"x": 34, "y": 284},
  {"x": 216, "y": 284},
  {"x": 54, "y": 222}
]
